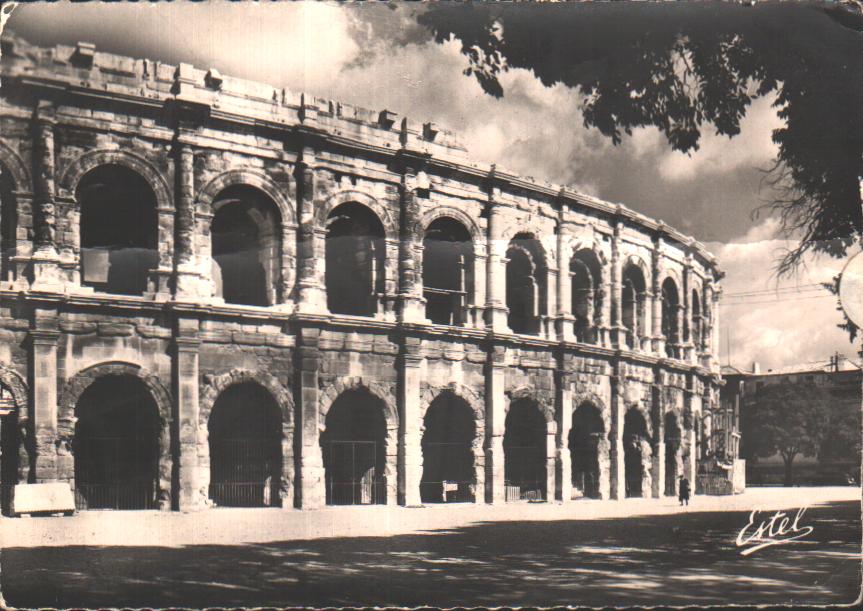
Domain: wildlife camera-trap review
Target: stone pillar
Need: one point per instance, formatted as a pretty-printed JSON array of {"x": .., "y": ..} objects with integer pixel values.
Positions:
[
  {"x": 43, "y": 384},
  {"x": 564, "y": 411},
  {"x": 687, "y": 438},
  {"x": 618, "y": 333},
  {"x": 476, "y": 317},
  {"x": 714, "y": 322},
  {"x": 495, "y": 424},
  {"x": 618, "y": 409},
  {"x": 311, "y": 255},
  {"x": 310, "y": 487},
  {"x": 658, "y": 417},
  {"x": 686, "y": 328},
  {"x": 565, "y": 318},
  {"x": 656, "y": 303},
  {"x": 495, "y": 309},
  {"x": 46, "y": 262},
  {"x": 187, "y": 274},
  {"x": 412, "y": 304},
  {"x": 410, "y": 457},
  {"x": 193, "y": 477}
]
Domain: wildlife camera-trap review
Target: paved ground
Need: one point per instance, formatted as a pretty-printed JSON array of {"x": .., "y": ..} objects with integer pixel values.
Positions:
[{"x": 518, "y": 555}]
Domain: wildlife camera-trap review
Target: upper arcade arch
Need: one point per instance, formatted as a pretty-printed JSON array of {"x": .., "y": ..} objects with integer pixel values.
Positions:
[
  {"x": 389, "y": 224},
  {"x": 251, "y": 178},
  {"x": 17, "y": 169}
]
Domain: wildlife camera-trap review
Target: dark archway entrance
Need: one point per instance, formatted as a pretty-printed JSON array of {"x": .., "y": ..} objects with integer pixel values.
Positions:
[
  {"x": 584, "y": 437},
  {"x": 525, "y": 284},
  {"x": 672, "y": 445},
  {"x": 354, "y": 450},
  {"x": 447, "y": 271},
  {"x": 8, "y": 222},
  {"x": 9, "y": 447},
  {"x": 524, "y": 447},
  {"x": 246, "y": 253},
  {"x": 448, "y": 468},
  {"x": 355, "y": 251},
  {"x": 245, "y": 430},
  {"x": 634, "y": 438},
  {"x": 119, "y": 230},
  {"x": 116, "y": 445}
]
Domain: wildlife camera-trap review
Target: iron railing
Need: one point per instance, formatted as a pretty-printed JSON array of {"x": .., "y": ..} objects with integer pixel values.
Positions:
[
  {"x": 448, "y": 491},
  {"x": 244, "y": 471},
  {"x": 116, "y": 495},
  {"x": 525, "y": 491},
  {"x": 587, "y": 482},
  {"x": 353, "y": 473}
]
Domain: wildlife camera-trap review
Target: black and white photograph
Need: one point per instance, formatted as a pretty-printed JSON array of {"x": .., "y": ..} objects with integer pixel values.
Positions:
[{"x": 431, "y": 304}]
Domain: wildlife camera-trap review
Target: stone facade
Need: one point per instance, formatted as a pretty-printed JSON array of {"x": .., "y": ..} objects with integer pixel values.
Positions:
[{"x": 560, "y": 300}]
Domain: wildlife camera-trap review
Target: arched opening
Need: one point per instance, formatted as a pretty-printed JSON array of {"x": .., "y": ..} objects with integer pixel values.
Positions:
[
  {"x": 355, "y": 250},
  {"x": 354, "y": 450},
  {"x": 696, "y": 321},
  {"x": 524, "y": 448},
  {"x": 9, "y": 447},
  {"x": 525, "y": 284},
  {"x": 447, "y": 271},
  {"x": 586, "y": 275},
  {"x": 447, "y": 444},
  {"x": 8, "y": 222},
  {"x": 245, "y": 430},
  {"x": 632, "y": 304},
  {"x": 116, "y": 445},
  {"x": 635, "y": 446},
  {"x": 119, "y": 230},
  {"x": 584, "y": 438},
  {"x": 672, "y": 445},
  {"x": 670, "y": 323},
  {"x": 246, "y": 247}
]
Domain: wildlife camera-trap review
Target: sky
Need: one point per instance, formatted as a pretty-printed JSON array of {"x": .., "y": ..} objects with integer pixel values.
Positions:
[{"x": 379, "y": 57}]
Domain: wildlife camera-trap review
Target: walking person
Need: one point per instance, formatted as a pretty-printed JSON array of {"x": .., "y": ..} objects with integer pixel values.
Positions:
[{"x": 684, "y": 491}]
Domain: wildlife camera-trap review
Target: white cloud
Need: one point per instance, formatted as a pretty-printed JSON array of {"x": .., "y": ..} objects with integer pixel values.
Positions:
[{"x": 752, "y": 147}]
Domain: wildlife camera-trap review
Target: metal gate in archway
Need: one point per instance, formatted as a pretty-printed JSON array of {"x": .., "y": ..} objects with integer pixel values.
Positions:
[
  {"x": 354, "y": 476},
  {"x": 525, "y": 466},
  {"x": 246, "y": 472},
  {"x": 103, "y": 479}
]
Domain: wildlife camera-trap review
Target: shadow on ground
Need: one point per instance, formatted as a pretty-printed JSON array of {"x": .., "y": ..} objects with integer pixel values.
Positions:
[{"x": 674, "y": 559}]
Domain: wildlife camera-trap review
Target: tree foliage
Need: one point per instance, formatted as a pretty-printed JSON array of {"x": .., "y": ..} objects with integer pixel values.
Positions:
[
  {"x": 682, "y": 67},
  {"x": 790, "y": 419}
]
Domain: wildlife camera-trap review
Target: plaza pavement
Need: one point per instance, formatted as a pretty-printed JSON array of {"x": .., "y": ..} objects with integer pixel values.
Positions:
[{"x": 229, "y": 526}]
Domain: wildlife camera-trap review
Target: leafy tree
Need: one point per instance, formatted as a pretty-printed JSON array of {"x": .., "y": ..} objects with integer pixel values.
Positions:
[
  {"x": 843, "y": 430},
  {"x": 682, "y": 67},
  {"x": 789, "y": 419}
]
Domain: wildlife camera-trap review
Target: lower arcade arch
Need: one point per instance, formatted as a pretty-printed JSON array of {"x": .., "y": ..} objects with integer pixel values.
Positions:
[
  {"x": 245, "y": 436},
  {"x": 116, "y": 445},
  {"x": 672, "y": 454},
  {"x": 636, "y": 448},
  {"x": 524, "y": 448},
  {"x": 354, "y": 444},
  {"x": 10, "y": 446},
  {"x": 585, "y": 439},
  {"x": 447, "y": 446}
]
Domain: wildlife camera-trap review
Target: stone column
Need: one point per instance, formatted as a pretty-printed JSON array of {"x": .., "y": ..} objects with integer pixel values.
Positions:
[
  {"x": 412, "y": 304},
  {"x": 495, "y": 424},
  {"x": 495, "y": 309},
  {"x": 187, "y": 276},
  {"x": 618, "y": 409},
  {"x": 476, "y": 316},
  {"x": 687, "y": 438},
  {"x": 656, "y": 303},
  {"x": 658, "y": 466},
  {"x": 618, "y": 333},
  {"x": 410, "y": 458},
  {"x": 686, "y": 328},
  {"x": 46, "y": 262},
  {"x": 193, "y": 477},
  {"x": 565, "y": 318},
  {"x": 713, "y": 348},
  {"x": 564, "y": 412},
  {"x": 311, "y": 253},
  {"x": 311, "y": 492},
  {"x": 43, "y": 384}
]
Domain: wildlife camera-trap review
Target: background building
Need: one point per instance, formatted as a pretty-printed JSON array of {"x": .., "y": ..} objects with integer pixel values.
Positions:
[
  {"x": 217, "y": 292},
  {"x": 841, "y": 381}
]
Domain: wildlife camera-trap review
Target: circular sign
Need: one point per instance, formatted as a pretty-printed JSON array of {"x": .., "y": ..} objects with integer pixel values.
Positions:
[{"x": 851, "y": 289}]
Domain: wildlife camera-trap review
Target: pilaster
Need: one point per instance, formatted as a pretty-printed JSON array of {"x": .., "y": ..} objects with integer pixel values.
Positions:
[
  {"x": 618, "y": 332},
  {"x": 412, "y": 304},
  {"x": 311, "y": 252},
  {"x": 410, "y": 451},
  {"x": 46, "y": 261},
  {"x": 658, "y": 462},
  {"x": 565, "y": 319},
  {"x": 618, "y": 467},
  {"x": 43, "y": 384},
  {"x": 563, "y": 471},
  {"x": 187, "y": 275},
  {"x": 310, "y": 479},
  {"x": 192, "y": 477},
  {"x": 496, "y": 310},
  {"x": 495, "y": 414}
]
